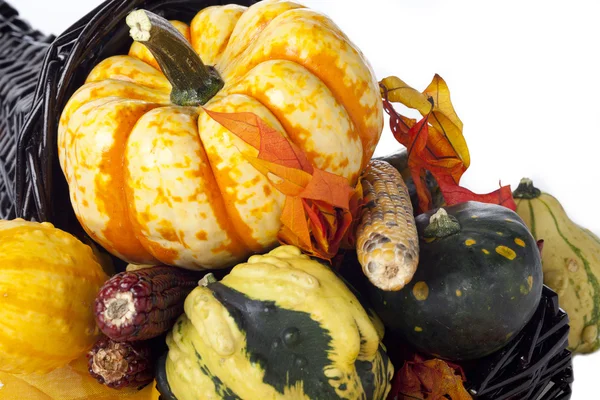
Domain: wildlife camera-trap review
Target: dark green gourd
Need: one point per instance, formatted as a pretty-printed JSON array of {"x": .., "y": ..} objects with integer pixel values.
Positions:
[{"x": 478, "y": 283}]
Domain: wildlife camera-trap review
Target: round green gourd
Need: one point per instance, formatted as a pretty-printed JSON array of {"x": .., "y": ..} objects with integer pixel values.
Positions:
[
  {"x": 478, "y": 283},
  {"x": 280, "y": 326}
]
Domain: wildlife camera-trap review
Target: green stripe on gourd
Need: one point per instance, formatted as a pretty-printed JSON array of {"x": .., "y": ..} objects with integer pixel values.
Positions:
[
  {"x": 567, "y": 247},
  {"x": 593, "y": 281}
]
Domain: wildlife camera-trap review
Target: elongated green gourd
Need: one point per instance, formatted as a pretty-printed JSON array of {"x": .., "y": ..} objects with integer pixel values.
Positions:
[{"x": 571, "y": 262}]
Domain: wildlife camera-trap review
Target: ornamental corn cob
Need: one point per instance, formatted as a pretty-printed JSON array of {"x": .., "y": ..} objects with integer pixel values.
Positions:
[
  {"x": 387, "y": 243},
  {"x": 121, "y": 364},
  {"x": 143, "y": 303}
]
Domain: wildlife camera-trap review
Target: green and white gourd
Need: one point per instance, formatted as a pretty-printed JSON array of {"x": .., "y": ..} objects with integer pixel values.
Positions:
[{"x": 571, "y": 263}]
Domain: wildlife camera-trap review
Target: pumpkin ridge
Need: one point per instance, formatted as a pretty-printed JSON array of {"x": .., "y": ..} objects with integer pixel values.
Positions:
[
  {"x": 344, "y": 95},
  {"x": 228, "y": 226},
  {"x": 179, "y": 125},
  {"x": 240, "y": 32},
  {"x": 118, "y": 230},
  {"x": 240, "y": 85},
  {"x": 198, "y": 25},
  {"x": 593, "y": 281},
  {"x": 243, "y": 223}
]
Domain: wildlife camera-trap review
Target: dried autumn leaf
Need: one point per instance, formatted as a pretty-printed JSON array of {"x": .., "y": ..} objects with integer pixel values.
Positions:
[
  {"x": 316, "y": 215},
  {"x": 445, "y": 126},
  {"x": 454, "y": 194},
  {"x": 435, "y": 143},
  {"x": 429, "y": 380},
  {"x": 396, "y": 90},
  {"x": 445, "y": 120},
  {"x": 329, "y": 188},
  {"x": 270, "y": 143},
  {"x": 295, "y": 229},
  {"x": 289, "y": 181}
]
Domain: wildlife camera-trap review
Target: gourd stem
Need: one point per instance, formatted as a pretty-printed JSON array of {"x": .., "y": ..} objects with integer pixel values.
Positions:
[
  {"x": 193, "y": 83},
  {"x": 441, "y": 225},
  {"x": 207, "y": 279},
  {"x": 526, "y": 190}
]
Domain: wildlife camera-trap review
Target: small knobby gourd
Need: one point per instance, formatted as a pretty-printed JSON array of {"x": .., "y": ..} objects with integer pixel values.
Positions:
[
  {"x": 48, "y": 283},
  {"x": 155, "y": 180},
  {"x": 478, "y": 283},
  {"x": 280, "y": 326},
  {"x": 571, "y": 263}
]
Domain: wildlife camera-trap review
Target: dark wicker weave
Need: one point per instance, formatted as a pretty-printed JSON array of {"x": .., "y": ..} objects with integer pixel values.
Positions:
[
  {"x": 39, "y": 73},
  {"x": 535, "y": 365}
]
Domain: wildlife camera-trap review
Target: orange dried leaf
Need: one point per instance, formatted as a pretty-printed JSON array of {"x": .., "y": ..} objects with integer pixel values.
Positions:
[
  {"x": 447, "y": 381},
  {"x": 329, "y": 188},
  {"x": 429, "y": 380},
  {"x": 316, "y": 215},
  {"x": 295, "y": 229},
  {"x": 289, "y": 181},
  {"x": 272, "y": 145}
]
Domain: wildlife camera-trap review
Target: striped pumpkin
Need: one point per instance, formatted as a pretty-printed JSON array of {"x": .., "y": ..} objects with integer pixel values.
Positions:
[
  {"x": 281, "y": 326},
  {"x": 571, "y": 263},
  {"x": 154, "y": 180},
  {"x": 48, "y": 282}
]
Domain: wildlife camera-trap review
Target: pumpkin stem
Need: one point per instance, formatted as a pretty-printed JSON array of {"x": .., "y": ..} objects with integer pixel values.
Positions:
[
  {"x": 193, "y": 82},
  {"x": 526, "y": 190},
  {"x": 441, "y": 225}
]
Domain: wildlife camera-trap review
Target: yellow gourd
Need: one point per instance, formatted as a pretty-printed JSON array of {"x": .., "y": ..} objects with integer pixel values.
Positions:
[{"x": 48, "y": 283}]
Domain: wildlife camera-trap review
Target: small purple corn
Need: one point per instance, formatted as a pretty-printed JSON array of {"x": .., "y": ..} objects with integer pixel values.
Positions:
[
  {"x": 121, "y": 364},
  {"x": 143, "y": 304}
]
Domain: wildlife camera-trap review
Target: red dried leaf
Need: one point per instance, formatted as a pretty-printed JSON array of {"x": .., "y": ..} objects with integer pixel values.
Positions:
[
  {"x": 454, "y": 194},
  {"x": 435, "y": 143}
]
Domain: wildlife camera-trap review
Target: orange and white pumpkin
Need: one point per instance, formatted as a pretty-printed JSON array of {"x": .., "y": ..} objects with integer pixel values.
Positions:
[{"x": 154, "y": 181}]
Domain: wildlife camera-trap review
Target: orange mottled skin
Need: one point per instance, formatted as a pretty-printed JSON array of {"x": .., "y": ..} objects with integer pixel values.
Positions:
[{"x": 154, "y": 182}]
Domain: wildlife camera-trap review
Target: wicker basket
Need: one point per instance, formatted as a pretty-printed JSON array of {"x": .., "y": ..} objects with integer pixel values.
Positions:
[{"x": 39, "y": 73}]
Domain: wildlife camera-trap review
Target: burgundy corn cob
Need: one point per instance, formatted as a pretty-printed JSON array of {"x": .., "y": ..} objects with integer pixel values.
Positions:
[
  {"x": 142, "y": 304},
  {"x": 121, "y": 364}
]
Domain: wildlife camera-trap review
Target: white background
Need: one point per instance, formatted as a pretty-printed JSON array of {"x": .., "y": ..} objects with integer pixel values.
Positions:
[{"x": 522, "y": 75}]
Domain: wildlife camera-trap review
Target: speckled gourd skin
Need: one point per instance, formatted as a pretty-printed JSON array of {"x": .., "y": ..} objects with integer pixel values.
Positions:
[
  {"x": 473, "y": 290},
  {"x": 571, "y": 262},
  {"x": 280, "y": 326},
  {"x": 155, "y": 183},
  {"x": 48, "y": 282}
]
